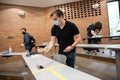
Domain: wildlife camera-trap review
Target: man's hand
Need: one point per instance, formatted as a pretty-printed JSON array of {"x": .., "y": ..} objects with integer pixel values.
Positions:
[
  {"x": 40, "y": 50},
  {"x": 22, "y": 45},
  {"x": 46, "y": 49},
  {"x": 97, "y": 36},
  {"x": 68, "y": 49}
]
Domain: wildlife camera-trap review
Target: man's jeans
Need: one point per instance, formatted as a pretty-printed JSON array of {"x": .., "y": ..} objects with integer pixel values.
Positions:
[{"x": 71, "y": 56}]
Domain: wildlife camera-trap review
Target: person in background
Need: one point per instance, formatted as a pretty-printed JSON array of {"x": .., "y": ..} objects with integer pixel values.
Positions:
[
  {"x": 93, "y": 32},
  {"x": 29, "y": 41},
  {"x": 67, "y": 35}
]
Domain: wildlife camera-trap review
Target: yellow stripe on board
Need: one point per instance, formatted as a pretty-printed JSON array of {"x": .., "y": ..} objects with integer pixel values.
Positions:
[
  {"x": 57, "y": 74},
  {"x": 52, "y": 71},
  {"x": 53, "y": 67},
  {"x": 38, "y": 71}
]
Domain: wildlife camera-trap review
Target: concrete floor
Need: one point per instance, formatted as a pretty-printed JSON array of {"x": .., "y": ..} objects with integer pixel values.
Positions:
[{"x": 100, "y": 69}]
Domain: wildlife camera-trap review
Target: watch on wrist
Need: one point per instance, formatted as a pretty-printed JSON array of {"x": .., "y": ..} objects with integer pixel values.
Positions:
[{"x": 72, "y": 47}]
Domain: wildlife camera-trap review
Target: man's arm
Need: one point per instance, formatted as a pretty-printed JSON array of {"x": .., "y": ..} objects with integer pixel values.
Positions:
[
  {"x": 77, "y": 39},
  {"x": 49, "y": 47},
  {"x": 93, "y": 33},
  {"x": 52, "y": 42}
]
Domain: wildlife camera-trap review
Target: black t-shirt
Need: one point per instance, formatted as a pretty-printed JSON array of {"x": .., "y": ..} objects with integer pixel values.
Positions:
[
  {"x": 91, "y": 27},
  {"x": 65, "y": 36}
]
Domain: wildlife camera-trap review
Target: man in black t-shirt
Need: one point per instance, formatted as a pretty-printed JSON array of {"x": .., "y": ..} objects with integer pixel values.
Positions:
[{"x": 67, "y": 35}]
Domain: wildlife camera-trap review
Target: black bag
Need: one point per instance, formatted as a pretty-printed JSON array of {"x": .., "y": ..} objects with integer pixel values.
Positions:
[{"x": 32, "y": 40}]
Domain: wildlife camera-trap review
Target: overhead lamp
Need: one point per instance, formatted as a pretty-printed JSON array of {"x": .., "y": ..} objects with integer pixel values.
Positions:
[
  {"x": 21, "y": 13},
  {"x": 95, "y": 6}
]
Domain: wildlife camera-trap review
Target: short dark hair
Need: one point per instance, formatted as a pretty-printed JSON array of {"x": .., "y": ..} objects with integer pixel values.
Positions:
[
  {"x": 24, "y": 29},
  {"x": 58, "y": 12},
  {"x": 98, "y": 25}
]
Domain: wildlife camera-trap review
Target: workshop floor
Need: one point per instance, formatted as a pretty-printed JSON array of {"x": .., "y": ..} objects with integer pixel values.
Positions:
[{"x": 100, "y": 69}]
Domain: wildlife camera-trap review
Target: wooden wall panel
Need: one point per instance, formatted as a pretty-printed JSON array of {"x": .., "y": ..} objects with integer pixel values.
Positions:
[{"x": 11, "y": 23}]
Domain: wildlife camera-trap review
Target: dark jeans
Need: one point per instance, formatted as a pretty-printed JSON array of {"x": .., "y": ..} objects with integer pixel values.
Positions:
[
  {"x": 71, "y": 56},
  {"x": 93, "y": 41},
  {"x": 29, "y": 49}
]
